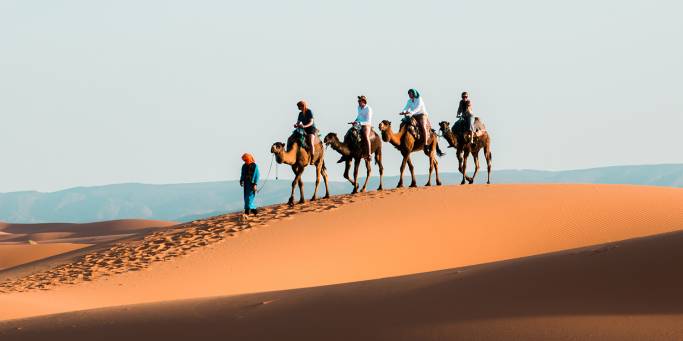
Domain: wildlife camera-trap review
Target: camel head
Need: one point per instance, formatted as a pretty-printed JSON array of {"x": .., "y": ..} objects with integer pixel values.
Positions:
[
  {"x": 447, "y": 133},
  {"x": 444, "y": 126},
  {"x": 385, "y": 126},
  {"x": 330, "y": 138},
  {"x": 278, "y": 149}
]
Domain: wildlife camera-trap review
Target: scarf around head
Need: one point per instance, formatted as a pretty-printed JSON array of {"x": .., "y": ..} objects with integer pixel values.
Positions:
[
  {"x": 417, "y": 94},
  {"x": 248, "y": 158}
]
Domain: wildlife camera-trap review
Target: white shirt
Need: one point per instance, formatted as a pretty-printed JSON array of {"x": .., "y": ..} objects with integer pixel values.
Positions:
[
  {"x": 364, "y": 115},
  {"x": 415, "y": 106}
]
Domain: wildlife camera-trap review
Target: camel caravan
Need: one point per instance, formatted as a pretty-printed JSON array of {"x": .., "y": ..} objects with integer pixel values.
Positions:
[{"x": 362, "y": 143}]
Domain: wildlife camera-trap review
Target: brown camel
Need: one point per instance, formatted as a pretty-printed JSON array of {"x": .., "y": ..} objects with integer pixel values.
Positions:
[
  {"x": 405, "y": 142},
  {"x": 294, "y": 155},
  {"x": 459, "y": 138},
  {"x": 354, "y": 151}
]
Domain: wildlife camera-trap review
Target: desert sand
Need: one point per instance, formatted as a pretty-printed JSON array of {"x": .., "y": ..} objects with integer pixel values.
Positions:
[
  {"x": 472, "y": 262},
  {"x": 17, "y": 254},
  {"x": 60, "y": 232},
  {"x": 26, "y": 243}
]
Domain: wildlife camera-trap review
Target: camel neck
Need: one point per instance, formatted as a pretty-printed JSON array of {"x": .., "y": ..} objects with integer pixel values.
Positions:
[
  {"x": 340, "y": 147},
  {"x": 289, "y": 157}
]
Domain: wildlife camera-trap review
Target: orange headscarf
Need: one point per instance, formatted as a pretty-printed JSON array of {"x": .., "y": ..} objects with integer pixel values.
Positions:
[{"x": 248, "y": 158}]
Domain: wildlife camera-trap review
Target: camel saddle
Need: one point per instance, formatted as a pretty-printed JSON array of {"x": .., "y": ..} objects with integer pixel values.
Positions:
[
  {"x": 414, "y": 127},
  {"x": 353, "y": 137},
  {"x": 299, "y": 135},
  {"x": 460, "y": 126}
]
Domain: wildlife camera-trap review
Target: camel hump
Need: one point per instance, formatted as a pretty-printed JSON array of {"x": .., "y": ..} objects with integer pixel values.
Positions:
[{"x": 479, "y": 124}]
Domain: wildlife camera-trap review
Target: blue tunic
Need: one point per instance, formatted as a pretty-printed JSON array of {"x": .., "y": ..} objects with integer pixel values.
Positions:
[{"x": 250, "y": 177}]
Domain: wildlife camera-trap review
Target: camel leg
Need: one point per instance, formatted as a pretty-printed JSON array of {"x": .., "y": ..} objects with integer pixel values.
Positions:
[
  {"x": 487, "y": 154},
  {"x": 347, "y": 167},
  {"x": 318, "y": 168},
  {"x": 368, "y": 171},
  {"x": 400, "y": 175},
  {"x": 431, "y": 169},
  {"x": 413, "y": 183},
  {"x": 436, "y": 170},
  {"x": 466, "y": 154},
  {"x": 324, "y": 174},
  {"x": 356, "y": 165},
  {"x": 297, "y": 176},
  {"x": 378, "y": 160},
  {"x": 475, "y": 156},
  {"x": 459, "y": 155},
  {"x": 301, "y": 188}
]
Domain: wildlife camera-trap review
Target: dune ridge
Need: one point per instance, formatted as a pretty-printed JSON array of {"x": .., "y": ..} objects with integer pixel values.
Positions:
[
  {"x": 364, "y": 237},
  {"x": 163, "y": 246}
]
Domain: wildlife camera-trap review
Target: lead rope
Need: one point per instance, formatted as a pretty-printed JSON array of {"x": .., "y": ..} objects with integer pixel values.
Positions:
[{"x": 268, "y": 175}]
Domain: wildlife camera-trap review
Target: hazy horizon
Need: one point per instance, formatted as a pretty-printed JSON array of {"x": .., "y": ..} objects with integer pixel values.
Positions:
[{"x": 98, "y": 93}]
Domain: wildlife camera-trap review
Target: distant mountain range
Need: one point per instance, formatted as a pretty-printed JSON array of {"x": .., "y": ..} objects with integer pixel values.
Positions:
[{"x": 185, "y": 202}]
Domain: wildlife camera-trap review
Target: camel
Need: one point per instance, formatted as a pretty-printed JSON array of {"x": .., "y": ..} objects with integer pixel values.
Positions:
[
  {"x": 405, "y": 142},
  {"x": 298, "y": 157},
  {"x": 354, "y": 151},
  {"x": 459, "y": 139}
]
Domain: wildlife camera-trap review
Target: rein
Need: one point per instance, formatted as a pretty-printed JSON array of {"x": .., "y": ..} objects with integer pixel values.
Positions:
[{"x": 268, "y": 175}]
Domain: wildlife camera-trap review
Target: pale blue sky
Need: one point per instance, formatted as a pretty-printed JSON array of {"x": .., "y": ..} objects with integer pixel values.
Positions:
[{"x": 99, "y": 92}]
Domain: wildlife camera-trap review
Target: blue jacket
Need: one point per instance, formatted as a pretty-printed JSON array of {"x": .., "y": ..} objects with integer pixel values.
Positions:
[{"x": 250, "y": 174}]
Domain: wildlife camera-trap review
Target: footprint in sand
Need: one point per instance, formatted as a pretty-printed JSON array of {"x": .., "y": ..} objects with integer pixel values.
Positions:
[{"x": 167, "y": 245}]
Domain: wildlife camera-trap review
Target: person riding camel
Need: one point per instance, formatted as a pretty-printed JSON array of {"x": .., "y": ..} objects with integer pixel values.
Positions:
[
  {"x": 416, "y": 108},
  {"x": 305, "y": 121},
  {"x": 465, "y": 111},
  {"x": 364, "y": 119}
]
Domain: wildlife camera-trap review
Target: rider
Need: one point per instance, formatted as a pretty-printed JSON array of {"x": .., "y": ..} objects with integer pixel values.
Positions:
[
  {"x": 364, "y": 119},
  {"x": 305, "y": 121},
  {"x": 465, "y": 111},
  {"x": 416, "y": 108}
]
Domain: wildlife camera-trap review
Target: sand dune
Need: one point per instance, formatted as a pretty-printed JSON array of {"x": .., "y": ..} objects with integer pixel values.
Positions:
[
  {"x": 628, "y": 290},
  {"x": 348, "y": 239},
  {"x": 59, "y": 238},
  {"x": 50, "y": 231},
  {"x": 13, "y": 255}
]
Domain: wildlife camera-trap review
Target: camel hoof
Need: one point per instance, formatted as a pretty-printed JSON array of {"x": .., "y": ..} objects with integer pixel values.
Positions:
[
  {"x": 313, "y": 199},
  {"x": 327, "y": 196},
  {"x": 290, "y": 202},
  {"x": 399, "y": 186},
  {"x": 438, "y": 183},
  {"x": 488, "y": 182},
  {"x": 302, "y": 201},
  {"x": 428, "y": 184},
  {"x": 462, "y": 182},
  {"x": 413, "y": 185},
  {"x": 379, "y": 188},
  {"x": 362, "y": 190}
]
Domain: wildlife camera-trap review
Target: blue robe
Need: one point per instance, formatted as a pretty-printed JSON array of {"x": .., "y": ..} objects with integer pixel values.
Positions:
[{"x": 249, "y": 178}]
